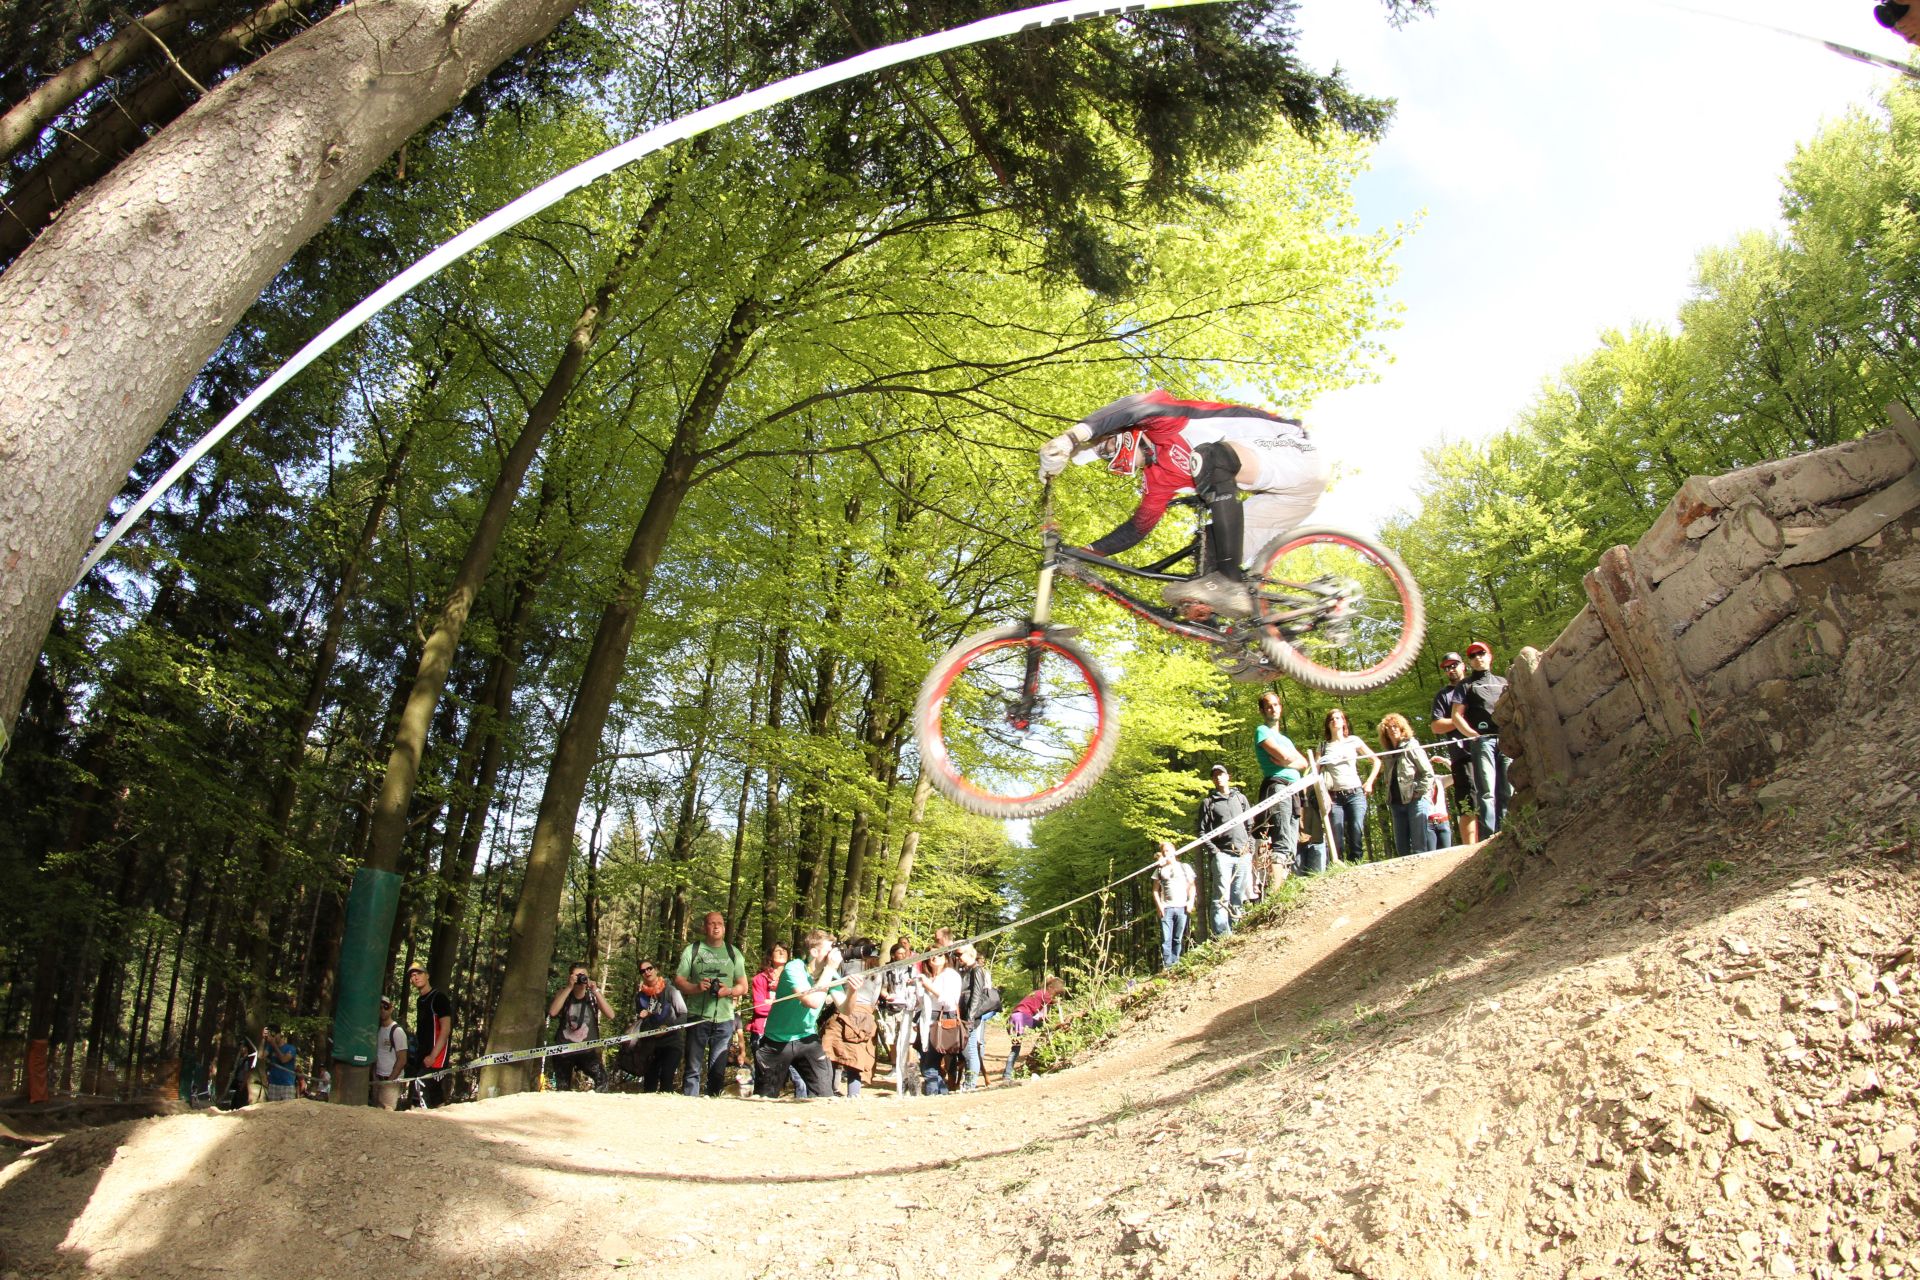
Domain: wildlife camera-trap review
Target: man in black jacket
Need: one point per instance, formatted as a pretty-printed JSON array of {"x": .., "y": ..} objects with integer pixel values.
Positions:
[
  {"x": 1473, "y": 720},
  {"x": 1224, "y": 814}
]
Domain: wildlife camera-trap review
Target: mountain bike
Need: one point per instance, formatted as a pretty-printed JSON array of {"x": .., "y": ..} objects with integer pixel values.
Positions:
[{"x": 1017, "y": 721}]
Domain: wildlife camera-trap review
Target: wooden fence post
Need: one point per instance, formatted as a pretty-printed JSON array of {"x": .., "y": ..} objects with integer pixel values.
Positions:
[
  {"x": 1543, "y": 739},
  {"x": 1623, "y": 600}
]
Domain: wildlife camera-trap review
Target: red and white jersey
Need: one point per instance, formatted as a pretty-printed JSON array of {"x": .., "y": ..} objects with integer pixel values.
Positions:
[{"x": 1174, "y": 428}]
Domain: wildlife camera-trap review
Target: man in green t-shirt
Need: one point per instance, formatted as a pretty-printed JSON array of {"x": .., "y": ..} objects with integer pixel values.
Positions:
[
  {"x": 712, "y": 974},
  {"x": 792, "y": 1037},
  {"x": 1281, "y": 765}
]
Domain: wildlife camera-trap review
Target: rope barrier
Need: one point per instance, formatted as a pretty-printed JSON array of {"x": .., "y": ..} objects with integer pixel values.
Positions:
[{"x": 540, "y": 1052}]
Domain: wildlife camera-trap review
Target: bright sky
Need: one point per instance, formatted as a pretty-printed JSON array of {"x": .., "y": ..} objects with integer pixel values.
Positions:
[{"x": 1567, "y": 163}]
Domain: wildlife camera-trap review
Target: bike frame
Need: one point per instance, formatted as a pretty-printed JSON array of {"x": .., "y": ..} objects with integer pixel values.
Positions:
[{"x": 1085, "y": 568}]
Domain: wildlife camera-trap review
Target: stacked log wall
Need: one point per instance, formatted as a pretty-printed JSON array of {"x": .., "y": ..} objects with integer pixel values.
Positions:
[{"x": 1705, "y": 607}]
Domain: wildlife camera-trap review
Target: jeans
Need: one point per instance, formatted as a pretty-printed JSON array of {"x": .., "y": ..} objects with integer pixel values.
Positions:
[
  {"x": 933, "y": 1077},
  {"x": 1440, "y": 834},
  {"x": 1350, "y": 825},
  {"x": 1410, "y": 829},
  {"x": 586, "y": 1062},
  {"x": 707, "y": 1046},
  {"x": 1313, "y": 858},
  {"x": 1173, "y": 935},
  {"x": 1232, "y": 879},
  {"x": 976, "y": 1043},
  {"x": 1277, "y": 824},
  {"x": 1490, "y": 789},
  {"x": 1020, "y": 1025}
]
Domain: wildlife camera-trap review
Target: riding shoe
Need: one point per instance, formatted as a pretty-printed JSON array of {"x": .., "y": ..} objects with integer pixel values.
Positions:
[{"x": 1216, "y": 591}]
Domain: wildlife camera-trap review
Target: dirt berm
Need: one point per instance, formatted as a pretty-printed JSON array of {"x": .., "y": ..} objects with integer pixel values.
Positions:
[{"x": 1668, "y": 1030}]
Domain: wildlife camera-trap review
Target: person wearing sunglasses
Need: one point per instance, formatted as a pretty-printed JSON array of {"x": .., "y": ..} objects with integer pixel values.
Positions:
[{"x": 1454, "y": 668}]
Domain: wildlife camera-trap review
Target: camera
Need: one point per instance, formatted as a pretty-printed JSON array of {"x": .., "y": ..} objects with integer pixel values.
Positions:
[{"x": 859, "y": 949}]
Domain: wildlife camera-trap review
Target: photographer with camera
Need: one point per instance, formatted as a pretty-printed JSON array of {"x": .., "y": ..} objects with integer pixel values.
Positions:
[
  {"x": 578, "y": 1005},
  {"x": 712, "y": 974}
]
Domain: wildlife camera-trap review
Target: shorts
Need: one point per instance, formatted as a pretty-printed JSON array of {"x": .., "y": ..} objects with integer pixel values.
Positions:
[{"x": 280, "y": 1093}]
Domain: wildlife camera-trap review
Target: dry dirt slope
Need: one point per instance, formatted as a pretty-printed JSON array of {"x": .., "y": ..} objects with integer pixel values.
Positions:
[{"x": 1672, "y": 1036}]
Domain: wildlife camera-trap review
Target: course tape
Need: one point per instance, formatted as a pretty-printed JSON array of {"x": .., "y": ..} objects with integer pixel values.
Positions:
[
  {"x": 538, "y": 1052},
  {"x": 557, "y": 188}
]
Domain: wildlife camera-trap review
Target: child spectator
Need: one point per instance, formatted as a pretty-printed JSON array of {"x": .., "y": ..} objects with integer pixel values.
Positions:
[{"x": 1027, "y": 1015}]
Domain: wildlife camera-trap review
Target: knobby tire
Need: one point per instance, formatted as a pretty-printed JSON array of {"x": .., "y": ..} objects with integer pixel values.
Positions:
[{"x": 1009, "y": 772}]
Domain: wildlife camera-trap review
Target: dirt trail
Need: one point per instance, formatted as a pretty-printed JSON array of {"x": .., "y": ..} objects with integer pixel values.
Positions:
[{"x": 1673, "y": 1035}]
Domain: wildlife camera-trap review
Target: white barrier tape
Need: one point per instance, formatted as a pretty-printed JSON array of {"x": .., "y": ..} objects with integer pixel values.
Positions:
[{"x": 557, "y": 188}]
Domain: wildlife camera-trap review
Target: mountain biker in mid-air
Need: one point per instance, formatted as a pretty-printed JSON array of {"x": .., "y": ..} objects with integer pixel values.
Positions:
[{"x": 1216, "y": 450}]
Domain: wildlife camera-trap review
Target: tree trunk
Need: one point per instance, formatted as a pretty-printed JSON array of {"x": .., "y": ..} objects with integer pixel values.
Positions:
[
  {"x": 436, "y": 660},
  {"x": 105, "y": 319},
  {"x": 770, "y": 826},
  {"x": 909, "y": 848},
  {"x": 521, "y": 1013}
]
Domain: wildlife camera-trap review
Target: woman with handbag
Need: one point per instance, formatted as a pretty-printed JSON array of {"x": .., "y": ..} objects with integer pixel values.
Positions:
[{"x": 942, "y": 1034}]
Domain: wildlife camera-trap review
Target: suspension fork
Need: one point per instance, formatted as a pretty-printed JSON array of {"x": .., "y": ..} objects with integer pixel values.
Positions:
[{"x": 1037, "y": 625}]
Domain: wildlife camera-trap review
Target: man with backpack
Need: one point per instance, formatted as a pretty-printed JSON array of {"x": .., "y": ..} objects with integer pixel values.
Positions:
[
  {"x": 711, "y": 975},
  {"x": 389, "y": 1058}
]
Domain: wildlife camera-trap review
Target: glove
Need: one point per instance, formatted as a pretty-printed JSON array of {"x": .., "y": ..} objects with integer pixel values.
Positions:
[{"x": 1054, "y": 456}]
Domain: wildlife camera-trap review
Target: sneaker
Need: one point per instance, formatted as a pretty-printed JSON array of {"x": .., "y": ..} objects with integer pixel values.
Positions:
[{"x": 1216, "y": 591}]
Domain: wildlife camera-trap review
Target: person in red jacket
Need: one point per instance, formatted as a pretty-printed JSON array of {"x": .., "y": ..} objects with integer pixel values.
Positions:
[{"x": 1211, "y": 448}]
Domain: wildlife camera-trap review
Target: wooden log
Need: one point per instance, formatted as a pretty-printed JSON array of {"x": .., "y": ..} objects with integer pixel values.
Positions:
[
  {"x": 1575, "y": 641},
  {"x": 1750, "y": 611},
  {"x": 1808, "y": 481},
  {"x": 1638, "y": 737},
  {"x": 1745, "y": 540},
  {"x": 1595, "y": 676},
  {"x": 1797, "y": 649},
  {"x": 1624, "y": 600},
  {"x": 1906, "y": 428},
  {"x": 1692, "y": 513},
  {"x": 1543, "y": 739},
  {"x": 1607, "y": 718},
  {"x": 1875, "y": 512}
]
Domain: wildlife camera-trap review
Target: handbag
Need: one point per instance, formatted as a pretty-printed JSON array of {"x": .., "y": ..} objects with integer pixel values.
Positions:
[{"x": 949, "y": 1035}]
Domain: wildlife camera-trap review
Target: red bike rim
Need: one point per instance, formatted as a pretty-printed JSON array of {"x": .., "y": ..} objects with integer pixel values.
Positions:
[
  {"x": 944, "y": 762},
  {"x": 1399, "y": 652}
]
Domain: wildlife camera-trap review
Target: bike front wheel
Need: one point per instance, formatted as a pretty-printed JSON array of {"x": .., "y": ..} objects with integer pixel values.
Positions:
[
  {"x": 1015, "y": 722},
  {"x": 1342, "y": 614}
]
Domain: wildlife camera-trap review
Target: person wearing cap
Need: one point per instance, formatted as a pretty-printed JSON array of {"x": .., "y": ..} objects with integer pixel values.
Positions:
[
  {"x": 1222, "y": 822},
  {"x": 389, "y": 1059},
  {"x": 432, "y": 1031},
  {"x": 1473, "y": 720},
  {"x": 1454, "y": 667}
]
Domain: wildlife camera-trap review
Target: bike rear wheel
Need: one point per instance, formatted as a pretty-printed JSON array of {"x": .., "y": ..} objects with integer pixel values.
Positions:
[
  {"x": 1015, "y": 722},
  {"x": 1343, "y": 614}
]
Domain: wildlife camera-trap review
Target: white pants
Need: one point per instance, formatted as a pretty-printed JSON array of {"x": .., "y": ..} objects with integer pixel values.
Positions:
[{"x": 1289, "y": 485}]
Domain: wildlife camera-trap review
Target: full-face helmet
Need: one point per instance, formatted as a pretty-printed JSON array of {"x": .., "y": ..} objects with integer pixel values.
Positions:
[{"x": 1127, "y": 452}]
